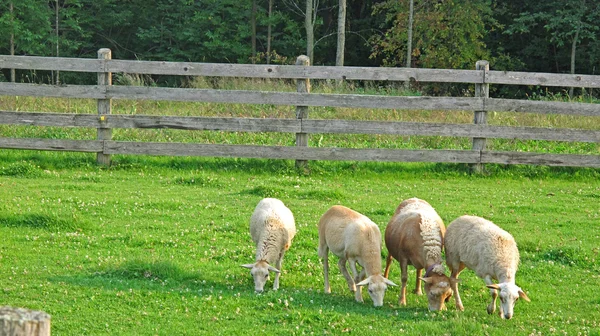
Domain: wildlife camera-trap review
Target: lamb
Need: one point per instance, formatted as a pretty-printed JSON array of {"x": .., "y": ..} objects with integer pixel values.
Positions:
[
  {"x": 415, "y": 236},
  {"x": 354, "y": 238},
  {"x": 489, "y": 251},
  {"x": 272, "y": 228}
]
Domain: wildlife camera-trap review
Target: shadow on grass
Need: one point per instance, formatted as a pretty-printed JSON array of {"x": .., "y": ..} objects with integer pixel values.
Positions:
[
  {"x": 39, "y": 221},
  {"x": 167, "y": 277},
  {"x": 66, "y": 160}
]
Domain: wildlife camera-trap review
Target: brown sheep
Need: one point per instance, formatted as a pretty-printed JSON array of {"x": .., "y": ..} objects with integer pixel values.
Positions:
[{"x": 414, "y": 236}]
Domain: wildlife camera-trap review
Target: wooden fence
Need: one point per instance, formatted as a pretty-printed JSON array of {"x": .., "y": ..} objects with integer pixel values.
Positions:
[{"x": 302, "y": 126}]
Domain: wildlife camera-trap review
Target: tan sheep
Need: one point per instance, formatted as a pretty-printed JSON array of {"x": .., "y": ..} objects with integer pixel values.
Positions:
[
  {"x": 489, "y": 251},
  {"x": 415, "y": 236},
  {"x": 354, "y": 238},
  {"x": 272, "y": 228}
]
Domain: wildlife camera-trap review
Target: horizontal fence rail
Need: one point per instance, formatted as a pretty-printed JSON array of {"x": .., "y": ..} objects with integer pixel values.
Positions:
[
  {"x": 481, "y": 104},
  {"x": 296, "y": 72},
  {"x": 311, "y": 126}
]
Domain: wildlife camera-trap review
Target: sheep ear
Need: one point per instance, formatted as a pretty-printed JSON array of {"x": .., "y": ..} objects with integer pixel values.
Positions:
[
  {"x": 250, "y": 266},
  {"x": 389, "y": 282},
  {"x": 493, "y": 286},
  {"x": 523, "y": 296},
  {"x": 364, "y": 282},
  {"x": 273, "y": 269},
  {"x": 427, "y": 280}
]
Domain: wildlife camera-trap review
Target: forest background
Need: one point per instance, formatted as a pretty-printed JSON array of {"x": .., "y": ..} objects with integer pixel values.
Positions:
[{"x": 557, "y": 36}]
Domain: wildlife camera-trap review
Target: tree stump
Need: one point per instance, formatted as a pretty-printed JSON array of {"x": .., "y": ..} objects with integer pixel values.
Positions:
[{"x": 23, "y": 322}]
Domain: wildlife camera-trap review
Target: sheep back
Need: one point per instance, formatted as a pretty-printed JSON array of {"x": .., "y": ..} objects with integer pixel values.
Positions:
[
  {"x": 482, "y": 247},
  {"x": 349, "y": 234},
  {"x": 271, "y": 225},
  {"x": 416, "y": 233}
]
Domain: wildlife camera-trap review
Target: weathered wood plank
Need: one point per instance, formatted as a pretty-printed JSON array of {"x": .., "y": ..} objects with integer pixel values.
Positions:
[
  {"x": 63, "y": 91},
  {"x": 294, "y": 72},
  {"x": 288, "y": 71},
  {"x": 284, "y": 152},
  {"x": 309, "y": 126},
  {"x": 542, "y": 79},
  {"x": 452, "y": 130},
  {"x": 52, "y": 63},
  {"x": 294, "y": 98},
  {"x": 92, "y": 146},
  {"x": 144, "y": 121},
  {"x": 571, "y": 160},
  {"x": 543, "y": 107},
  {"x": 240, "y": 70}
]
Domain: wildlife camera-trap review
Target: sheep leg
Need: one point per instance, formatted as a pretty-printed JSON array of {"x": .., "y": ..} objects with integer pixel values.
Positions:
[
  {"x": 418, "y": 282},
  {"x": 404, "y": 278},
  {"x": 491, "y": 308},
  {"x": 344, "y": 270},
  {"x": 357, "y": 279},
  {"x": 278, "y": 266},
  {"x": 455, "y": 271},
  {"x": 326, "y": 274},
  {"x": 388, "y": 262}
]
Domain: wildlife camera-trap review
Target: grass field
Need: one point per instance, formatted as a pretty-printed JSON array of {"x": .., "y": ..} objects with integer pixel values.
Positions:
[{"x": 153, "y": 246}]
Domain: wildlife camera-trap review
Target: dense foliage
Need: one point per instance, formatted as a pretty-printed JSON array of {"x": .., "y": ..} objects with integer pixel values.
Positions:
[{"x": 548, "y": 36}]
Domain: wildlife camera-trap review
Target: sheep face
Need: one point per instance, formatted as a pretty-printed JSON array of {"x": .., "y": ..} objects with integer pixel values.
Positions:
[
  {"x": 260, "y": 272},
  {"x": 376, "y": 286},
  {"x": 438, "y": 290},
  {"x": 509, "y": 294}
]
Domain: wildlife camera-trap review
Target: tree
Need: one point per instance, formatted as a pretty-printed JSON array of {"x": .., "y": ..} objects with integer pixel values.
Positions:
[
  {"x": 341, "y": 33},
  {"x": 447, "y": 34},
  {"x": 565, "y": 23}
]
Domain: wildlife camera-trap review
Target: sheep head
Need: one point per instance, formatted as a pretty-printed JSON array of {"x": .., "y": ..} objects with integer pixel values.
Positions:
[
  {"x": 260, "y": 272},
  {"x": 438, "y": 290},
  {"x": 376, "y": 286},
  {"x": 509, "y": 293}
]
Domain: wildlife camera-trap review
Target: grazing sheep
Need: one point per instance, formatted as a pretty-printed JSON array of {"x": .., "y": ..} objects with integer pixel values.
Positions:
[
  {"x": 272, "y": 228},
  {"x": 414, "y": 236},
  {"x": 489, "y": 251},
  {"x": 355, "y": 238}
]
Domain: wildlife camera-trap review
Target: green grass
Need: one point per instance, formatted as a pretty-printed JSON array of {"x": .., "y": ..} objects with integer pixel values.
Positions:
[{"x": 153, "y": 246}]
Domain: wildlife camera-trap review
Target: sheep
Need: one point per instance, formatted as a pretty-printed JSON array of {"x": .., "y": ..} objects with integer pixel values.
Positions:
[
  {"x": 272, "y": 228},
  {"x": 354, "y": 238},
  {"x": 489, "y": 251},
  {"x": 415, "y": 236}
]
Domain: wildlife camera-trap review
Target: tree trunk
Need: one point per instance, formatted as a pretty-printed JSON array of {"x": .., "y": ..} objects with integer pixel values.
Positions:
[
  {"x": 309, "y": 26},
  {"x": 269, "y": 33},
  {"x": 573, "y": 49},
  {"x": 23, "y": 322},
  {"x": 410, "y": 33},
  {"x": 253, "y": 25},
  {"x": 12, "y": 38},
  {"x": 341, "y": 34},
  {"x": 57, "y": 45}
]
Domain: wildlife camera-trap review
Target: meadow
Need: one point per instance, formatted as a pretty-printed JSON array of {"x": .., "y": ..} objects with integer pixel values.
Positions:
[{"x": 153, "y": 245}]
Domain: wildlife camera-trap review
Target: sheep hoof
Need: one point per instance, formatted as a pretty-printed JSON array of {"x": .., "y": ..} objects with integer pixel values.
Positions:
[
  {"x": 491, "y": 309},
  {"x": 418, "y": 292}
]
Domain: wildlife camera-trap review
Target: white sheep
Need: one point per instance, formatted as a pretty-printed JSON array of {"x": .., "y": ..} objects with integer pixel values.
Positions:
[
  {"x": 272, "y": 228},
  {"x": 415, "y": 236},
  {"x": 354, "y": 238},
  {"x": 489, "y": 251}
]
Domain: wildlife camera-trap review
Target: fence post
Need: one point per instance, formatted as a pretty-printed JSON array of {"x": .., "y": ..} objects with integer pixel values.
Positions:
[
  {"x": 480, "y": 117},
  {"x": 302, "y": 86},
  {"x": 104, "y": 107},
  {"x": 23, "y": 322}
]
